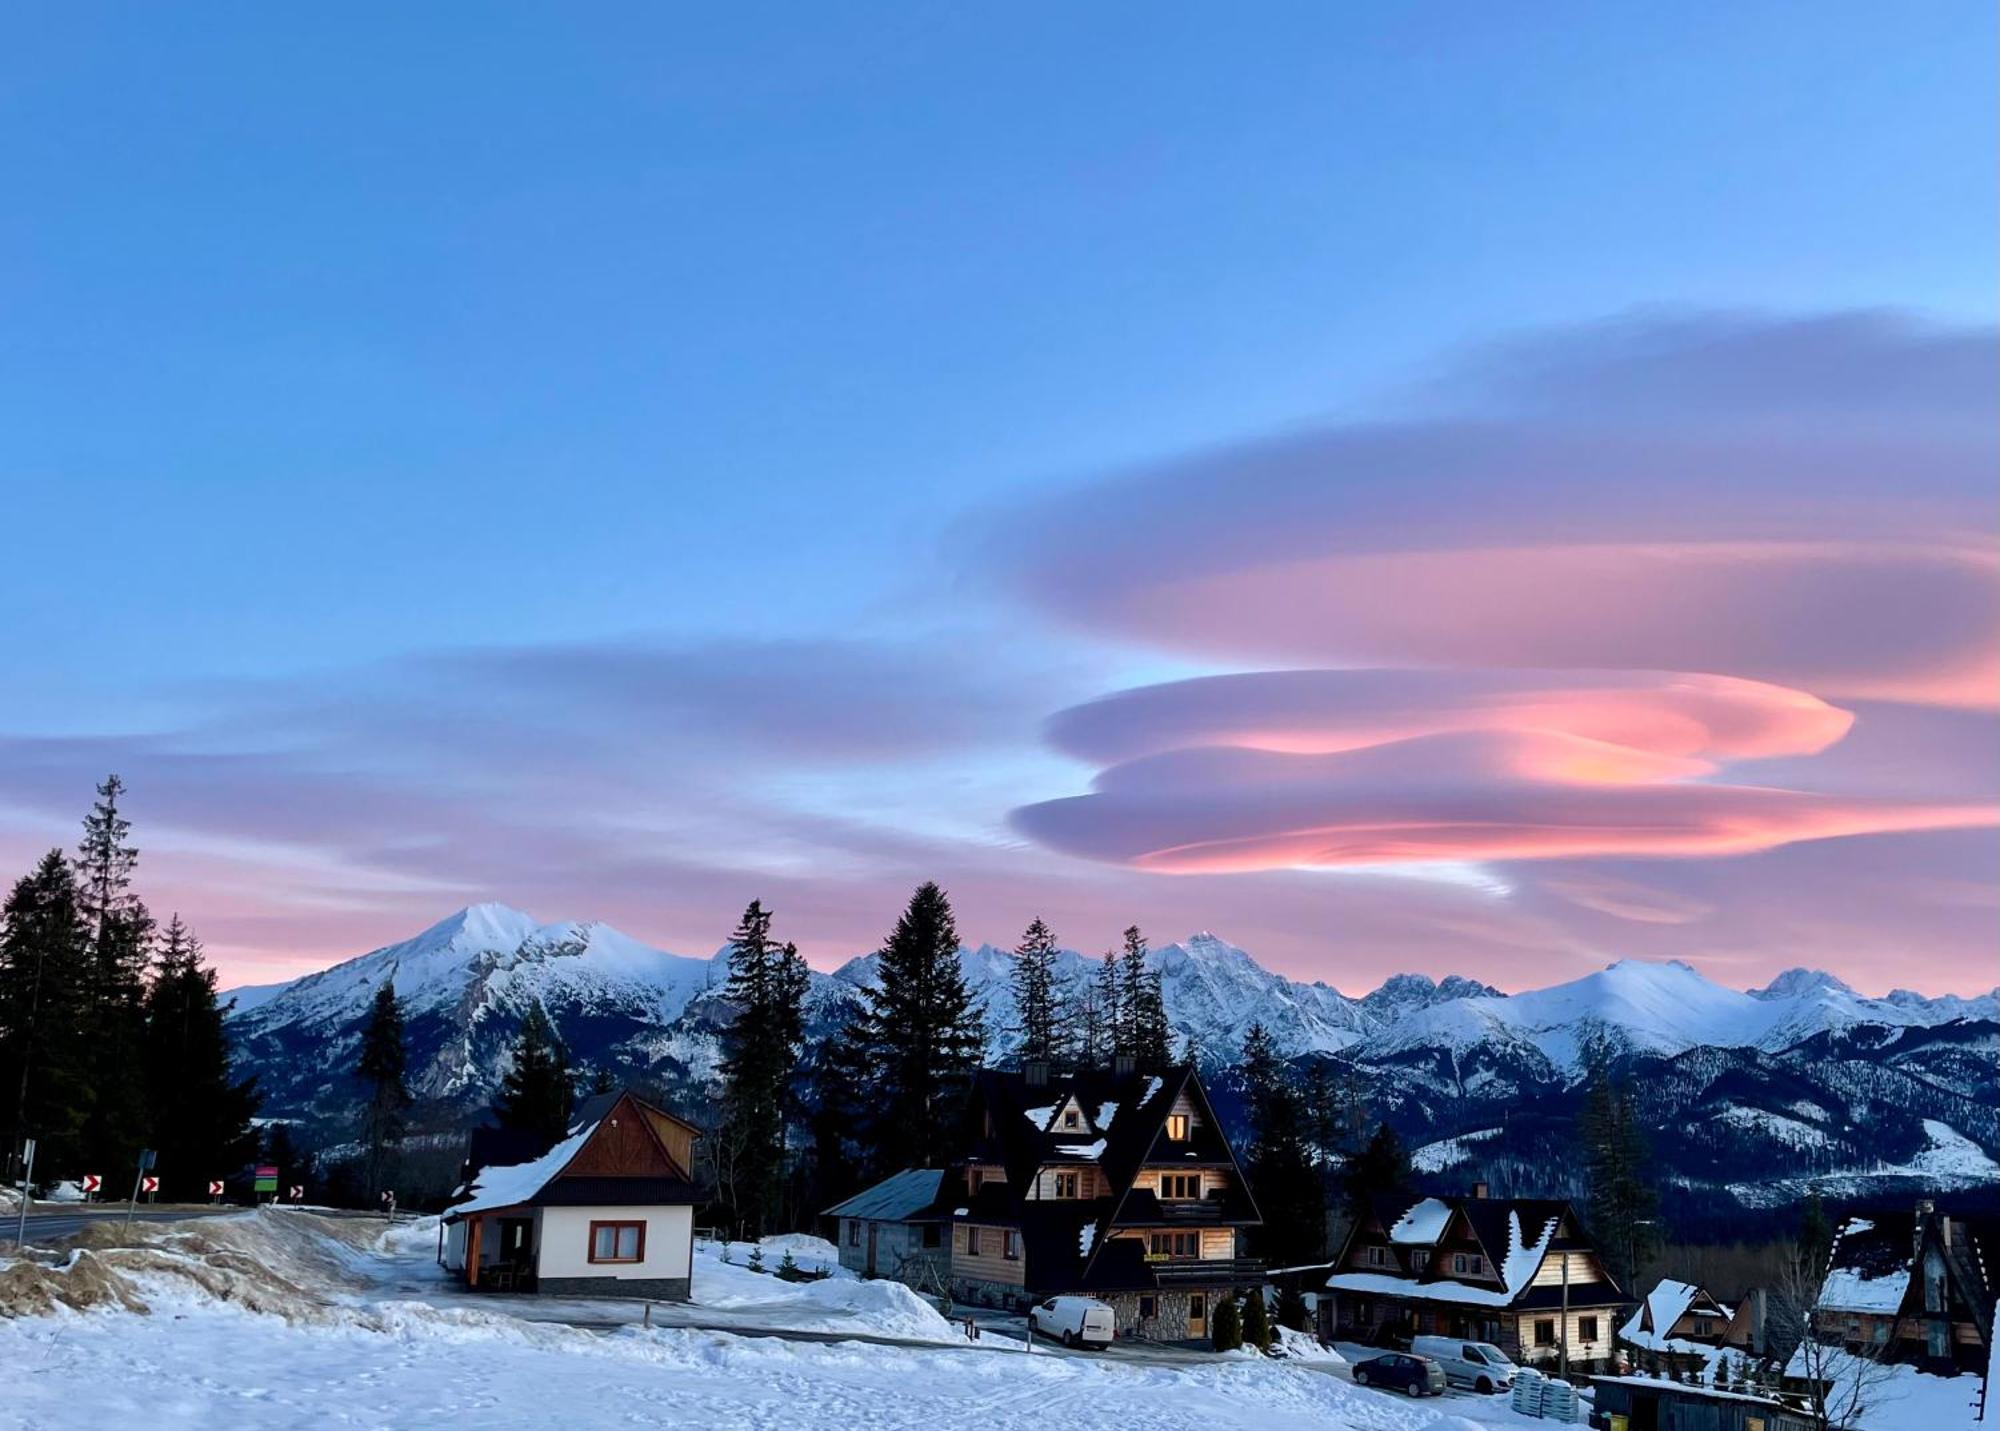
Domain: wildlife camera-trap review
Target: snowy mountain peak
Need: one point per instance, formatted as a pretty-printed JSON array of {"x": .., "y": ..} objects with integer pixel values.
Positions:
[{"x": 1799, "y": 983}]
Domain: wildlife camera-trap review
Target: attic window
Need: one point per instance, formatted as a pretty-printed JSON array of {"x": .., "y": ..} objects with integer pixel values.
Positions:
[
  {"x": 1071, "y": 1120},
  {"x": 1177, "y": 1127}
]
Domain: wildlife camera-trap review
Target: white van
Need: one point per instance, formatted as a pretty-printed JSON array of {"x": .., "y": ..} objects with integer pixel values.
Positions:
[
  {"x": 1074, "y": 1321},
  {"x": 1479, "y": 1365}
]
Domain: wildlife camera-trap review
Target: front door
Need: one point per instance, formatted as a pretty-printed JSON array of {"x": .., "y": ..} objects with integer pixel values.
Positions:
[
  {"x": 1197, "y": 1314},
  {"x": 871, "y": 1249}
]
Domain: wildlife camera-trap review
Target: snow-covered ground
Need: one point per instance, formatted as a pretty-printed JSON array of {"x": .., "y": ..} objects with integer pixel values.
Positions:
[{"x": 288, "y": 1319}]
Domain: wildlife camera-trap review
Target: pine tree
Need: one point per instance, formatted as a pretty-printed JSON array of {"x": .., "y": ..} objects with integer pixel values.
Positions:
[
  {"x": 44, "y": 1003},
  {"x": 1225, "y": 1327},
  {"x": 760, "y": 1055},
  {"x": 1815, "y": 1237},
  {"x": 382, "y": 1069},
  {"x": 1289, "y": 1189},
  {"x": 121, "y": 934},
  {"x": 281, "y": 1151},
  {"x": 1107, "y": 1014},
  {"x": 841, "y": 1080},
  {"x": 1292, "y": 1313},
  {"x": 199, "y": 1114},
  {"x": 1036, "y": 1000},
  {"x": 1380, "y": 1168},
  {"x": 1142, "y": 1029},
  {"x": 1622, "y": 1201},
  {"x": 536, "y": 1094},
  {"x": 923, "y": 1034}
]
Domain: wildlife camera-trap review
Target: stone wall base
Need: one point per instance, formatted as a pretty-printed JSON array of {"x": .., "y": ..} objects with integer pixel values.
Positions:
[{"x": 658, "y": 1289}]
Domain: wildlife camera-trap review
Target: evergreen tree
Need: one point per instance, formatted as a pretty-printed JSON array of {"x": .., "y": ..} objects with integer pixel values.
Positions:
[
  {"x": 842, "y": 1078},
  {"x": 536, "y": 1094},
  {"x": 1142, "y": 1008},
  {"x": 1380, "y": 1168},
  {"x": 295, "y": 1166},
  {"x": 44, "y": 1002},
  {"x": 760, "y": 1055},
  {"x": 1283, "y": 1174},
  {"x": 1815, "y": 1237},
  {"x": 1292, "y": 1313},
  {"x": 602, "y": 1080},
  {"x": 121, "y": 934},
  {"x": 199, "y": 1114},
  {"x": 923, "y": 1035},
  {"x": 1110, "y": 1011},
  {"x": 1225, "y": 1327},
  {"x": 382, "y": 1069},
  {"x": 1256, "y": 1321},
  {"x": 1622, "y": 1201},
  {"x": 1036, "y": 998}
]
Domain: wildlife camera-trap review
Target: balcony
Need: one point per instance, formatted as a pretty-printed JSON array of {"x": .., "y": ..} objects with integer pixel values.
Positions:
[{"x": 1198, "y": 1271}]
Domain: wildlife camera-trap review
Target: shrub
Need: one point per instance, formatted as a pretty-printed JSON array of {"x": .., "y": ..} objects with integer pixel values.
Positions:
[
  {"x": 1256, "y": 1321},
  {"x": 1292, "y": 1309},
  {"x": 1226, "y": 1326}
]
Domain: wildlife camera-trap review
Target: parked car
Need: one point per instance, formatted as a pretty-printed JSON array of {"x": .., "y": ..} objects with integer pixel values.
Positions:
[
  {"x": 1479, "y": 1365},
  {"x": 1400, "y": 1371},
  {"x": 1074, "y": 1321}
]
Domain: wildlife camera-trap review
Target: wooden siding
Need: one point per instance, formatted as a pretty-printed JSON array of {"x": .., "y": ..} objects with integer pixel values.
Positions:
[
  {"x": 675, "y": 1136},
  {"x": 1212, "y": 1179},
  {"x": 989, "y": 1264},
  {"x": 1582, "y": 1268},
  {"x": 623, "y": 1146},
  {"x": 1090, "y": 1181},
  {"x": 1218, "y": 1244}
]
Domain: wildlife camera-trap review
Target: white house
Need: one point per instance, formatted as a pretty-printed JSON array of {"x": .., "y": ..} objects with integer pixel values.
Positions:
[{"x": 609, "y": 1211}]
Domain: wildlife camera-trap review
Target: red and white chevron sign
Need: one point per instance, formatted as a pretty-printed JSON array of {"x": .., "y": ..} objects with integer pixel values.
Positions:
[
  {"x": 298, "y": 1193},
  {"x": 149, "y": 1185},
  {"x": 92, "y": 1183},
  {"x": 215, "y": 1188}
]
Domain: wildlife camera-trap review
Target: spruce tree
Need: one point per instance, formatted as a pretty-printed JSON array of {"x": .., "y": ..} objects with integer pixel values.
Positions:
[
  {"x": 121, "y": 935},
  {"x": 842, "y": 1078},
  {"x": 1622, "y": 1201},
  {"x": 44, "y": 1006},
  {"x": 382, "y": 1069},
  {"x": 1142, "y": 1008},
  {"x": 1256, "y": 1321},
  {"x": 1038, "y": 1016},
  {"x": 199, "y": 1113},
  {"x": 760, "y": 1055},
  {"x": 281, "y": 1151},
  {"x": 1283, "y": 1174},
  {"x": 1815, "y": 1238},
  {"x": 1225, "y": 1325},
  {"x": 924, "y": 1036},
  {"x": 1107, "y": 1012},
  {"x": 536, "y": 1094},
  {"x": 1379, "y": 1169}
]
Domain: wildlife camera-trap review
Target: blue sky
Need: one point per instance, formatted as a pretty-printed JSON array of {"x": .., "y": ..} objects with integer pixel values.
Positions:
[{"x": 336, "y": 341}]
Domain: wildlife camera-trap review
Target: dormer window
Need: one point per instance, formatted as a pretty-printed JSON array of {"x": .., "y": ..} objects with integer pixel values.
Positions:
[
  {"x": 1419, "y": 1261},
  {"x": 1378, "y": 1257},
  {"x": 1177, "y": 1127},
  {"x": 1071, "y": 1119}
]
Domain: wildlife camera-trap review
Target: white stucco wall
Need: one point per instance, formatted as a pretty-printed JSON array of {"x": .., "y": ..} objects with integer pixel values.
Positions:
[
  {"x": 454, "y": 1247},
  {"x": 565, "y": 1242}
]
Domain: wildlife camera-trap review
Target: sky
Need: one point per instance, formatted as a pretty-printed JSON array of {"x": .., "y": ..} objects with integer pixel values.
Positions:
[{"x": 1436, "y": 487}]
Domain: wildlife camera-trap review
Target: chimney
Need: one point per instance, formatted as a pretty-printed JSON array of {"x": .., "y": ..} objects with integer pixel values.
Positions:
[
  {"x": 1124, "y": 1063},
  {"x": 1037, "y": 1072},
  {"x": 1481, "y": 1190}
]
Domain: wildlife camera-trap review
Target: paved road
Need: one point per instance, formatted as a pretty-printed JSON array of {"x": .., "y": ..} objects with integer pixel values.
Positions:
[{"x": 52, "y": 1224}]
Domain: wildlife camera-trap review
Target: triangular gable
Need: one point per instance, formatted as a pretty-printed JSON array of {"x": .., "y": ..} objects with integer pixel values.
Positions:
[{"x": 627, "y": 1142}]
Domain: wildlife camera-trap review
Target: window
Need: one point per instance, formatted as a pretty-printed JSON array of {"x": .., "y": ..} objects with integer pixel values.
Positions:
[
  {"x": 1545, "y": 1332},
  {"x": 1467, "y": 1264},
  {"x": 1149, "y": 1308},
  {"x": 1180, "y": 1185},
  {"x": 1378, "y": 1257},
  {"x": 853, "y": 1232},
  {"x": 971, "y": 1242},
  {"x": 1067, "y": 1185},
  {"x": 1070, "y": 1119},
  {"x": 1197, "y": 1307},
  {"x": 1174, "y": 1244},
  {"x": 933, "y": 1235},
  {"x": 1010, "y": 1245},
  {"x": 973, "y": 1178},
  {"x": 1419, "y": 1261},
  {"x": 1177, "y": 1127},
  {"x": 1586, "y": 1329},
  {"x": 618, "y": 1242}
]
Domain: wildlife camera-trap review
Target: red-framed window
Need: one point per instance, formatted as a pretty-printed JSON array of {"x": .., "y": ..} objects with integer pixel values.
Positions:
[{"x": 617, "y": 1242}]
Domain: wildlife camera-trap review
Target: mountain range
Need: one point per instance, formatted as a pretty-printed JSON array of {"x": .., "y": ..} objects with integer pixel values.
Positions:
[{"x": 1755, "y": 1096}]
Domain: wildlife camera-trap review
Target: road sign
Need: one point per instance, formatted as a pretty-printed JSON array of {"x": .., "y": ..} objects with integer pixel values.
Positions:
[
  {"x": 149, "y": 1184},
  {"x": 267, "y": 1179},
  {"x": 215, "y": 1187},
  {"x": 147, "y": 1157},
  {"x": 92, "y": 1183},
  {"x": 298, "y": 1193}
]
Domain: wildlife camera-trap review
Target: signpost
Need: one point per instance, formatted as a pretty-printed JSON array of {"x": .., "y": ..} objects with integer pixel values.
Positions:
[
  {"x": 27, "y": 1191},
  {"x": 215, "y": 1189},
  {"x": 150, "y": 1186},
  {"x": 266, "y": 1179},
  {"x": 147, "y": 1157},
  {"x": 298, "y": 1193},
  {"x": 91, "y": 1183}
]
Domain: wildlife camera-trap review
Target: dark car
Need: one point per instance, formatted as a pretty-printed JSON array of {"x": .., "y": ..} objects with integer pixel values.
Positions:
[{"x": 1399, "y": 1371}]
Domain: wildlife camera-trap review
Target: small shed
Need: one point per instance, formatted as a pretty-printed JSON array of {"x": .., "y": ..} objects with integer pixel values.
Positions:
[
  {"x": 1643, "y": 1403},
  {"x": 893, "y": 1228}
]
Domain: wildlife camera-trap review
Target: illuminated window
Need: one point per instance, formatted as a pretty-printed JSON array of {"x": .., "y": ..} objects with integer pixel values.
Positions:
[{"x": 1177, "y": 1127}]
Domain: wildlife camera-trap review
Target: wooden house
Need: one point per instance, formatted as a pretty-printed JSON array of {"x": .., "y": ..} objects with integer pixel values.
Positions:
[
  {"x": 1916, "y": 1287},
  {"x": 608, "y": 1211},
  {"x": 1116, "y": 1184},
  {"x": 894, "y": 1229},
  {"x": 1678, "y": 1324},
  {"x": 1638, "y": 1403},
  {"x": 1521, "y": 1273}
]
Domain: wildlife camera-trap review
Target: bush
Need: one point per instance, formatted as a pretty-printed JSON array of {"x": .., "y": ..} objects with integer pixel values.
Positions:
[
  {"x": 756, "y": 1259},
  {"x": 1256, "y": 1322},
  {"x": 788, "y": 1268},
  {"x": 1225, "y": 1329},
  {"x": 1292, "y": 1309}
]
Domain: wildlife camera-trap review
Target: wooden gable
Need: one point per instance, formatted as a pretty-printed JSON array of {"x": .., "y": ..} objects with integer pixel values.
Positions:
[{"x": 634, "y": 1140}]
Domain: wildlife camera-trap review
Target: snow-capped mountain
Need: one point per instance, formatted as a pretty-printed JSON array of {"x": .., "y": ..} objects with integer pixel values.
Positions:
[{"x": 1798, "y": 1080}]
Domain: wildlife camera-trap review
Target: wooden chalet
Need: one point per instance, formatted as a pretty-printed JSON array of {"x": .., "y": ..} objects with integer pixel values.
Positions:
[
  {"x": 1117, "y": 1184},
  {"x": 1520, "y": 1273},
  {"x": 608, "y": 1211},
  {"x": 1678, "y": 1324},
  {"x": 893, "y": 1229},
  {"x": 1916, "y": 1287}
]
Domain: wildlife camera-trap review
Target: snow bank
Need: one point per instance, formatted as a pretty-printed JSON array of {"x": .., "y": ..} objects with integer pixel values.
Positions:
[
  {"x": 839, "y": 1302},
  {"x": 1304, "y": 1346}
]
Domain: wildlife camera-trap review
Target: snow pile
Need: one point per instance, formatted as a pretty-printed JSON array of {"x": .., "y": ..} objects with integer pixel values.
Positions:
[
  {"x": 1304, "y": 1346},
  {"x": 838, "y": 1302}
]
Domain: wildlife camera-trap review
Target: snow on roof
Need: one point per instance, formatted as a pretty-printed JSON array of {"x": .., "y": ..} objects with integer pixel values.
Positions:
[
  {"x": 1090, "y": 1151},
  {"x": 1524, "y": 1258},
  {"x": 1105, "y": 1113},
  {"x": 1152, "y": 1090},
  {"x": 1846, "y": 1290},
  {"x": 1455, "y": 1292},
  {"x": 505, "y": 1187},
  {"x": 1666, "y": 1304},
  {"x": 1423, "y": 1224},
  {"x": 894, "y": 1198},
  {"x": 1040, "y": 1116},
  {"x": 1086, "y": 1238}
]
